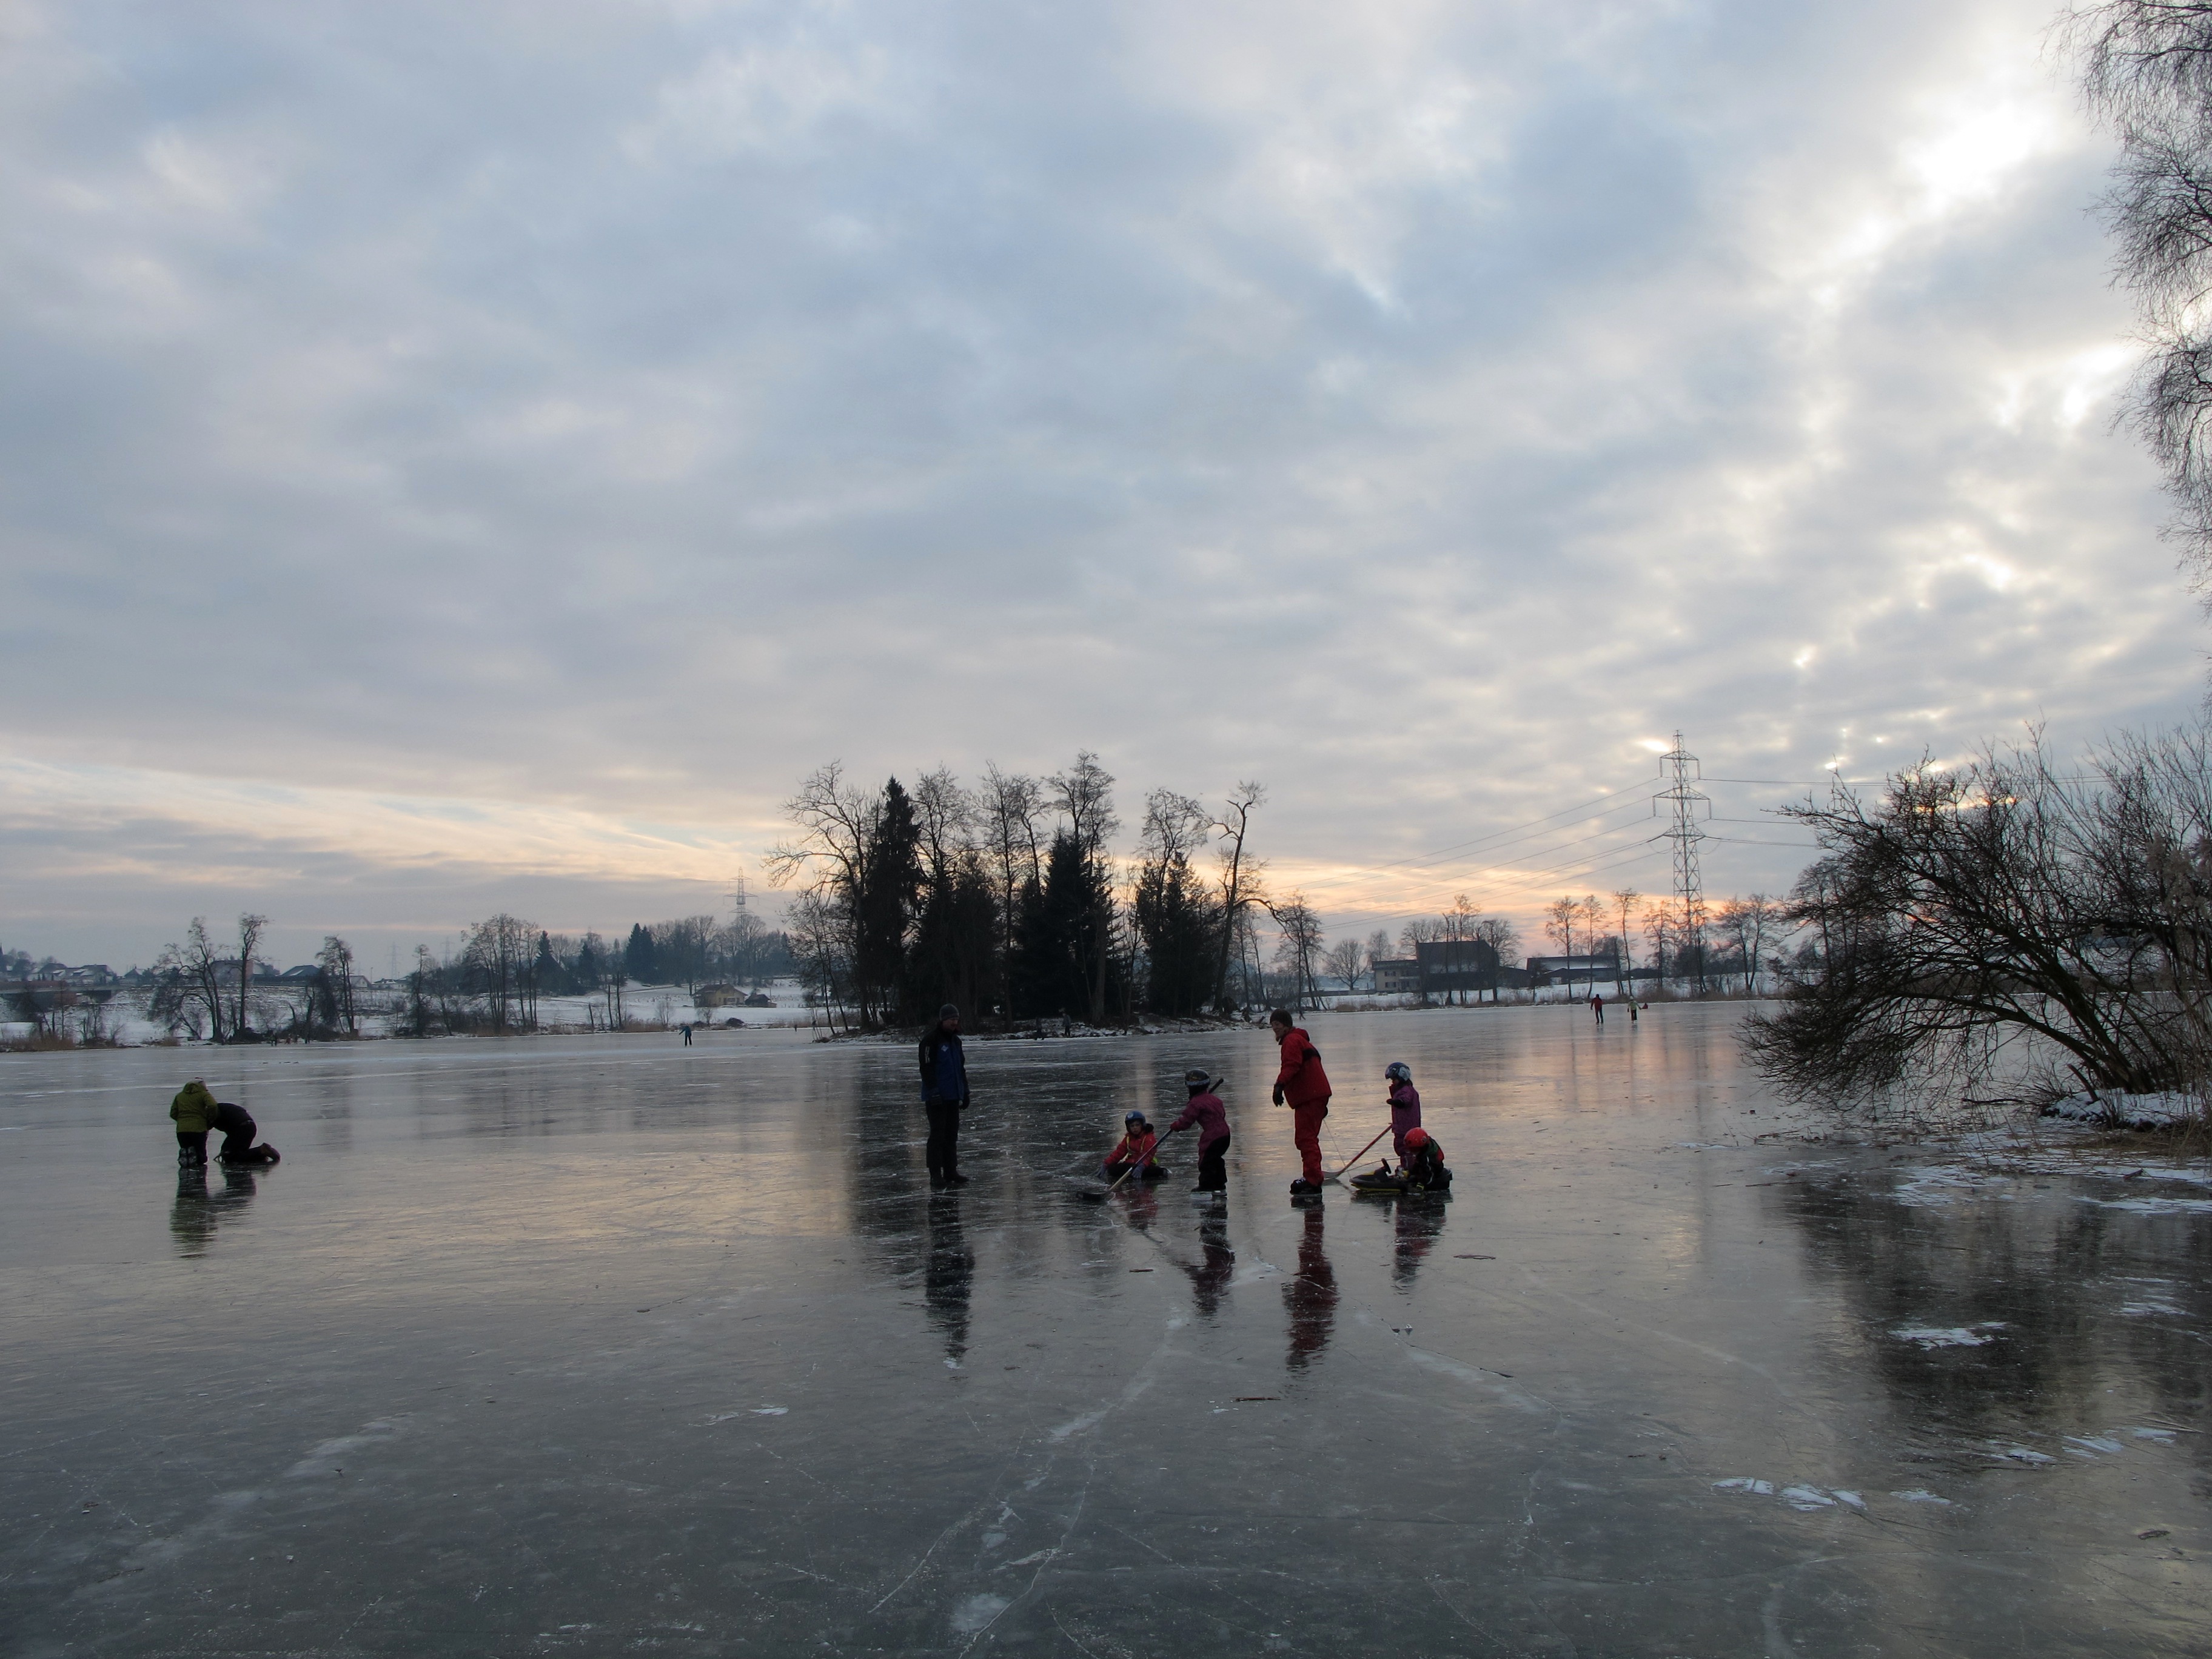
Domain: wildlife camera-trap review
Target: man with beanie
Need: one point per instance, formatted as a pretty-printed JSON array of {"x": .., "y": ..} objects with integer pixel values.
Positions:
[{"x": 944, "y": 1096}]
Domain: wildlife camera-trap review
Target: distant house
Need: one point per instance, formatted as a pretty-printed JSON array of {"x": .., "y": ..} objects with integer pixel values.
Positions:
[
  {"x": 1401, "y": 977},
  {"x": 1463, "y": 965},
  {"x": 1574, "y": 970}
]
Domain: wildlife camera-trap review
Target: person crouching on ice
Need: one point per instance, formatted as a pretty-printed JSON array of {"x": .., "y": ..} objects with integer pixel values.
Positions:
[
  {"x": 1423, "y": 1166},
  {"x": 193, "y": 1112},
  {"x": 239, "y": 1129},
  {"x": 1135, "y": 1151},
  {"x": 1405, "y": 1106},
  {"x": 1204, "y": 1112}
]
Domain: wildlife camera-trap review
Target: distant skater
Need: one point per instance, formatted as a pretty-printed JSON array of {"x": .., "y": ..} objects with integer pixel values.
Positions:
[
  {"x": 687, "y": 1033},
  {"x": 1405, "y": 1106},
  {"x": 1304, "y": 1087},
  {"x": 1597, "y": 1007},
  {"x": 1631, "y": 1011},
  {"x": 1204, "y": 1112},
  {"x": 943, "y": 1097}
]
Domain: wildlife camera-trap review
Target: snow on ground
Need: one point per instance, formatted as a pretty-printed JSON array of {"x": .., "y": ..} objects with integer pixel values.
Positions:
[{"x": 2152, "y": 1111}]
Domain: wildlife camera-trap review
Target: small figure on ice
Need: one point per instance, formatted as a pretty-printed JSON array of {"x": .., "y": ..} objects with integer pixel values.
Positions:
[
  {"x": 1405, "y": 1106},
  {"x": 1204, "y": 1112},
  {"x": 1304, "y": 1087},
  {"x": 1420, "y": 1171},
  {"x": 1597, "y": 1007},
  {"x": 1135, "y": 1150},
  {"x": 196, "y": 1112}
]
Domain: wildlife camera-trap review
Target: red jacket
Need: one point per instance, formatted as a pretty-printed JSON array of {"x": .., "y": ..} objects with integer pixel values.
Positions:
[
  {"x": 1302, "y": 1079},
  {"x": 1205, "y": 1112},
  {"x": 1135, "y": 1149}
]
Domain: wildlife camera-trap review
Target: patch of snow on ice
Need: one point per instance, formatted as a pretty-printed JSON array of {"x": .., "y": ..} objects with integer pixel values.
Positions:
[
  {"x": 1956, "y": 1336},
  {"x": 2166, "y": 1435},
  {"x": 2020, "y": 1454},
  {"x": 1745, "y": 1483},
  {"x": 1807, "y": 1499},
  {"x": 1850, "y": 1498},
  {"x": 1937, "y": 1184},
  {"x": 2095, "y": 1443},
  {"x": 1917, "y": 1496},
  {"x": 2155, "y": 1205}
]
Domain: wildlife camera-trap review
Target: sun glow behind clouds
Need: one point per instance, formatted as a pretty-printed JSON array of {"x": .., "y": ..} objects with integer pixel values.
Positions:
[{"x": 1405, "y": 404}]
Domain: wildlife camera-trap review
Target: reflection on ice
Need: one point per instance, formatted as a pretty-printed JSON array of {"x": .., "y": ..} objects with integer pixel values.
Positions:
[{"x": 586, "y": 1345}]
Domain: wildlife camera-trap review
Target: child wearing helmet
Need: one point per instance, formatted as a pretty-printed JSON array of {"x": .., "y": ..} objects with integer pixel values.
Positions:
[
  {"x": 1206, "y": 1113},
  {"x": 1423, "y": 1166},
  {"x": 1135, "y": 1150},
  {"x": 1405, "y": 1106}
]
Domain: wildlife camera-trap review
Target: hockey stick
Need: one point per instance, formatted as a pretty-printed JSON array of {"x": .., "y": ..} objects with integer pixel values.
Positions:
[
  {"x": 1356, "y": 1156},
  {"x": 1152, "y": 1157}
]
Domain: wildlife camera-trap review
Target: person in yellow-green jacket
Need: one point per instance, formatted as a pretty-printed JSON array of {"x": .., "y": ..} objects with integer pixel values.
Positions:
[{"x": 196, "y": 1111}]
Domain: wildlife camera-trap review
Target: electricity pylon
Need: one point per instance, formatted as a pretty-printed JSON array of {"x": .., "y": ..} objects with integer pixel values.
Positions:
[{"x": 1686, "y": 804}]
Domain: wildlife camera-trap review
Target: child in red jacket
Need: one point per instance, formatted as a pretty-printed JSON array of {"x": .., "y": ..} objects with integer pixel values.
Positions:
[
  {"x": 1206, "y": 1113},
  {"x": 1135, "y": 1151}
]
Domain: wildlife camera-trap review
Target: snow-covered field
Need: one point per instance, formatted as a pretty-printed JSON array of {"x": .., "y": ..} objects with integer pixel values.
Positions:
[{"x": 644, "y": 1007}]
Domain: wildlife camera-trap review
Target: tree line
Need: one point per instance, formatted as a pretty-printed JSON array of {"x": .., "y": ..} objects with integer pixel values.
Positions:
[
  {"x": 492, "y": 981},
  {"x": 1004, "y": 898}
]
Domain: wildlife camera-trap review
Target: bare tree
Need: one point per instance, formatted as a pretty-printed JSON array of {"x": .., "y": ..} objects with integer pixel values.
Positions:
[
  {"x": 1561, "y": 917},
  {"x": 1624, "y": 899},
  {"x": 1241, "y": 873},
  {"x": 2003, "y": 905},
  {"x": 1378, "y": 948},
  {"x": 249, "y": 941},
  {"x": 945, "y": 813},
  {"x": 1660, "y": 929},
  {"x": 197, "y": 985},
  {"x": 2146, "y": 70},
  {"x": 335, "y": 960},
  {"x": 1500, "y": 935},
  {"x": 1594, "y": 916},
  {"x": 1344, "y": 959},
  {"x": 1300, "y": 945},
  {"x": 1009, "y": 810}
]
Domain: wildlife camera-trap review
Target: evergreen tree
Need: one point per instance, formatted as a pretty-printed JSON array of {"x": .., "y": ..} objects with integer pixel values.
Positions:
[
  {"x": 642, "y": 956},
  {"x": 955, "y": 954},
  {"x": 885, "y": 907},
  {"x": 546, "y": 976},
  {"x": 1075, "y": 910},
  {"x": 1031, "y": 981},
  {"x": 1181, "y": 926}
]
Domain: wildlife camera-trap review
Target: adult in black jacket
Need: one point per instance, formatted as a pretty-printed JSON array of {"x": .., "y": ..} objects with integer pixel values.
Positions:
[{"x": 943, "y": 1097}]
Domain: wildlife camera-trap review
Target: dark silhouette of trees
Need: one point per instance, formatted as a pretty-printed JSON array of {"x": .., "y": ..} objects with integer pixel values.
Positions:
[{"x": 2001, "y": 911}]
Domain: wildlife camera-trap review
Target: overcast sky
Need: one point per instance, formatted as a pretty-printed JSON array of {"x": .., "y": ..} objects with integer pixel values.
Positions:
[{"x": 463, "y": 458}]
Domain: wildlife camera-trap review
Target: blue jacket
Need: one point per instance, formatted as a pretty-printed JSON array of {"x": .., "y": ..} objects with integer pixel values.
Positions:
[{"x": 943, "y": 1069}]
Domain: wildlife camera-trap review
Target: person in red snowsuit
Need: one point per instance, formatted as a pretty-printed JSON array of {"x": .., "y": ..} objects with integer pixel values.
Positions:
[
  {"x": 1303, "y": 1086},
  {"x": 1206, "y": 1113}
]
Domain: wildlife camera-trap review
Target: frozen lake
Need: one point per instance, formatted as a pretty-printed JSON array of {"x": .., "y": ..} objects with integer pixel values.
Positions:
[{"x": 604, "y": 1345}]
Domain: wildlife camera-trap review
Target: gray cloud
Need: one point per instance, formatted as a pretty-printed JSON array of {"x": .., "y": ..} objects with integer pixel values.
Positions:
[{"x": 618, "y": 410}]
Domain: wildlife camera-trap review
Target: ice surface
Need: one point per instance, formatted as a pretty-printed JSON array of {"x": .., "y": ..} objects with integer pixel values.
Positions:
[{"x": 601, "y": 1345}]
